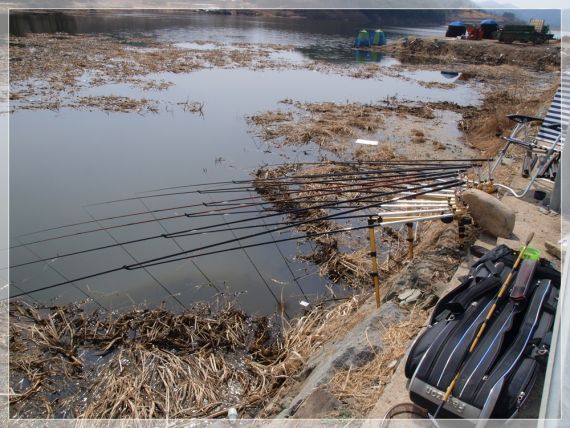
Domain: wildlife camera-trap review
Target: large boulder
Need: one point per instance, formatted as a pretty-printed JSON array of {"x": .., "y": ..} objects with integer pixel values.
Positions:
[{"x": 490, "y": 213}]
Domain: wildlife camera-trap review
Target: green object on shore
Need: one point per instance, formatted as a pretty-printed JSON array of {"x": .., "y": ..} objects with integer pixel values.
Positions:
[
  {"x": 525, "y": 33},
  {"x": 531, "y": 253}
]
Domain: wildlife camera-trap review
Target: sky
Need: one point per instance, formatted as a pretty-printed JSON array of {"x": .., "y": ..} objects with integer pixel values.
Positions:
[{"x": 534, "y": 4}]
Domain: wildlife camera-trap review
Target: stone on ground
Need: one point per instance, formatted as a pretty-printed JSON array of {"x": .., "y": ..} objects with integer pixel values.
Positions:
[{"x": 490, "y": 213}]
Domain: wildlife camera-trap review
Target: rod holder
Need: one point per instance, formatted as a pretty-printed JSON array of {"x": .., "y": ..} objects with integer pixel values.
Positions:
[
  {"x": 373, "y": 257},
  {"x": 410, "y": 240}
]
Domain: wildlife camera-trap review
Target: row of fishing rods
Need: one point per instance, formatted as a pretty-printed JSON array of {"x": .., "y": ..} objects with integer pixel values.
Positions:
[
  {"x": 227, "y": 207},
  {"x": 371, "y": 176},
  {"x": 397, "y": 184},
  {"x": 226, "y": 211},
  {"x": 200, "y": 251},
  {"x": 424, "y": 165}
]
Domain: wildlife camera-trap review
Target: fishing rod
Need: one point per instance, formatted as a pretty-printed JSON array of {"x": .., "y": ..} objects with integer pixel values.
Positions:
[
  {"x": 174, "y": 234},
  {"x": 164, "y": 235},
  {"x": 387, "y": 215},
  {"x": 139, "y": 213},
  {"x": 185, "y": 254},
  {"x": 312, "y": 177},
  {"x": 48, "y": 287},
  {"x": 234, "y": 189},
  {"x": 254, "y": 235},
  {"x": 334, "y": 163},
  {"x": 211, "y": 212},
  {"x": 330, "y": 205}
]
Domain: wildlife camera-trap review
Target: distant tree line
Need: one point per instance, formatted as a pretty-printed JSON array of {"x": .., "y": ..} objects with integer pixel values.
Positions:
[{"x": 382, "y": 16}]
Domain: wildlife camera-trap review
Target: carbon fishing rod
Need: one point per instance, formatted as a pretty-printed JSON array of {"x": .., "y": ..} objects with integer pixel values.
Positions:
[
  {"x": 213, "y": 211},
  {"x": 255, "y": 235},
  {"x": 174, "y": 234},
  {"x": 441, "y": 210},
  {"x": 332, "y": 204},
  {"x": 432, "y": 207},
  {"x": 245, "y": 189},
  {"x": 185, "y": 254},
  {"x": 206, "y": 204},
  {"x": 48, "y": 287},
  {"x": 476, "y": 162},
  {"x": 276, "y": 182},
  {"x": 164, "y": 235}
]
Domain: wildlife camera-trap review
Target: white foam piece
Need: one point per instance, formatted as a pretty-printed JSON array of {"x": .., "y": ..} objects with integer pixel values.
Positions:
[{"x": 367, "y": 142}]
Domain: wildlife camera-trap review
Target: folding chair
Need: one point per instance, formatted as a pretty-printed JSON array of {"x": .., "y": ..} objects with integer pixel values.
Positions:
[{"x": 543, "y": 150}]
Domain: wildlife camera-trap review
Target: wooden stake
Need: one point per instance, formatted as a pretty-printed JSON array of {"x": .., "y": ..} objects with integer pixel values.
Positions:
[{"x": 374, "y": 273}]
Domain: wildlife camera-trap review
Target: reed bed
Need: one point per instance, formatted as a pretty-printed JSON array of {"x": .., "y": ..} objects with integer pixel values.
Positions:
[
  {"x": 66, "y": 362},
  {"x": 331, "y": 126},
  {"x": 331, "y": 252},
  {"x": 47, "y": 70}
]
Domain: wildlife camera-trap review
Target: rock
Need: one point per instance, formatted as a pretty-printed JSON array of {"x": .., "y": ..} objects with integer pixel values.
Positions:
[
  {"x": 430, "y": 301},
  {"x": 317, "y": 405},
  {"x": 490, "y": 213},
  {"x": 413, "y": 297},
  {"x": 553, "y": 249},
  {"x": 393, "y": 364},
  {"x": 405, "y": 294},
  {"x": 507, "y": 161}
]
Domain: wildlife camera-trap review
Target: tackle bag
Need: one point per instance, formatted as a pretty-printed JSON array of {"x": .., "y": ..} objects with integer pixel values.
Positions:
[{"x": 497, "y": 376}]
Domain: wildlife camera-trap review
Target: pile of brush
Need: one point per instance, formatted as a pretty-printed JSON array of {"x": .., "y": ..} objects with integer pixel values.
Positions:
[{"x": 66, "y": 362}]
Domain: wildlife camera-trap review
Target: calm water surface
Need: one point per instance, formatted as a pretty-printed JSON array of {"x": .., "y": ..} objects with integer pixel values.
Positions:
[{"x": 63, "y": 161}]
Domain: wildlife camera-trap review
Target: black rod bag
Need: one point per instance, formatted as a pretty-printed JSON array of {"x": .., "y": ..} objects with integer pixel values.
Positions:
[{"x": 496, "y": 378}]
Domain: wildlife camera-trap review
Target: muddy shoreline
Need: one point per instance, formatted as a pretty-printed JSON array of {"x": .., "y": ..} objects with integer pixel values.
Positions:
[{"x": 488, "y": 52}]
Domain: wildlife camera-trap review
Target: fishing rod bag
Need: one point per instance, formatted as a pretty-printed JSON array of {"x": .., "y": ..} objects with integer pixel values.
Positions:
[{"x": 497, "y": 376}]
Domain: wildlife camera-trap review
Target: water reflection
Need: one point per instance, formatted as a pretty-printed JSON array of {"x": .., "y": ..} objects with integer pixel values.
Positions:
[
  {"x": 72, "y": 158},
  {"x": 367, "y": 56}
]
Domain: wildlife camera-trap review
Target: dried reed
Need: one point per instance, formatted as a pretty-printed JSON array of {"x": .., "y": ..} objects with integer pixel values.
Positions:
[
  {"x": 363, "y": 386},
  {"x": 66, "y": 362}
]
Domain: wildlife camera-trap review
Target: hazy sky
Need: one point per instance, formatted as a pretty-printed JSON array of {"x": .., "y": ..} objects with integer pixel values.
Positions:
[{"x": 533, "y": 4}]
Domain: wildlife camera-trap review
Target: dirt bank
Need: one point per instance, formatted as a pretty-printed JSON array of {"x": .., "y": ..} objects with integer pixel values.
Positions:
[
  {"x": 345, "y": 377},
  {"x": 489, "y": 52}
]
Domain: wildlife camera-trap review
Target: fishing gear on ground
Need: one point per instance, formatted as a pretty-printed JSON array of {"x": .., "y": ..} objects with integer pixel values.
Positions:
[{"x": 483, "y": 347}]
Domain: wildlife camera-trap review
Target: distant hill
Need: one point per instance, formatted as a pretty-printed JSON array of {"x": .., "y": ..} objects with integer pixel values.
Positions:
[
  {"x": 475, "y": 16},
  {"x": 550, "y": 16}
]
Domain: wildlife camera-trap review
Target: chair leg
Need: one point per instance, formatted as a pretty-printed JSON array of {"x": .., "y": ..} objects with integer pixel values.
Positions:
[
  {"x": 527, "y": 165},
  {"x": 502, "y": 154}
]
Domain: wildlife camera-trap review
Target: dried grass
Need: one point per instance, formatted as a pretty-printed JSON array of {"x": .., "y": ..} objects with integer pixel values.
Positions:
[
  {"x": 484, "y": 129},
  {"x": 332, "y": 251},
  {"x": 113, "y": 103},
  {"x": 52, "y": 68},
  {"x": 331, "y": 126},
  {"x": 363, "y": 386},
  {"x": 66, "y": 362}
]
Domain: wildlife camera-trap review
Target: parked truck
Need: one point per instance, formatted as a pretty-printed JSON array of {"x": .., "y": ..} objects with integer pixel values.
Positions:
[{"x": 535, "y": 32}]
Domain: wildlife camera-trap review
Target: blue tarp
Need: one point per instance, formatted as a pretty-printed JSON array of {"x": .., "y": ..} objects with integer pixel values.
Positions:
[
  {"x": 368, "y": 38},
  {"x": 489, "y": 22},
  {"x": 457, "y": 24}
]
